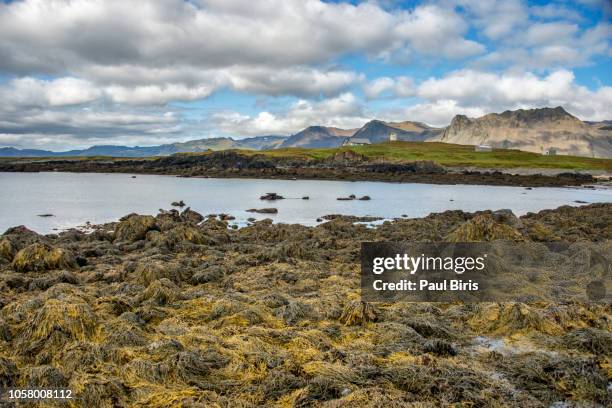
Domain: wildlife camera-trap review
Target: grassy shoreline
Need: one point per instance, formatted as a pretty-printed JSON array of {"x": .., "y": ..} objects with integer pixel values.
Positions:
[{"x": 445, "y": 154}]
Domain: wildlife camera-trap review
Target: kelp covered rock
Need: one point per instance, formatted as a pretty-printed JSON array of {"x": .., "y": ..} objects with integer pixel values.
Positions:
[
  {"x": 134, "y": 228},
  {"x": 198, "y": 314},
  {"x": 484, "y": 227},
  {"x": 42, "y": 257},
  {"x": 7, "y": 249}
]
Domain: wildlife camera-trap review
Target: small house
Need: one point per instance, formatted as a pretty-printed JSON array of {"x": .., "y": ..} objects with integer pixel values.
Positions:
[
  {"x": 356, "y": 142},
  {"x": 483, "y": 148},
  {"x": 550, "y": 152},
  {"x": 393, "y": 137}
]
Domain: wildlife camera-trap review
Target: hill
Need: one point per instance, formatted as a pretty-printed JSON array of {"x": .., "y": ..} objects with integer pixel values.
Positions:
[
  {"x": 533, "y": 130},
  {"x": 377, "y": 131},
  {"x": 318, "y": 137},
  {"x": 192, "y": 146}
]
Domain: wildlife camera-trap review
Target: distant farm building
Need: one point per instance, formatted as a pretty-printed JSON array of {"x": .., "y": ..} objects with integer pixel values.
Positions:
[
  {"x": 393, "y": 137},
  {"x": 483, "y": 148},
  {"x": 349, "y": 141},
  {"x": 550, "y": 152}
]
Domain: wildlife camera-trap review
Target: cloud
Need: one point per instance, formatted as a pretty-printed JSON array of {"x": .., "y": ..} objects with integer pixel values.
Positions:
[
  {"x": 537, "y": 37},
  {"x": 475, "y": 93},
  {"x": 398, "y": 87},
  {"x": 343, "y": 111},
  {"x": 31, "y": 92},
  {"x": 78, "y": 36}
]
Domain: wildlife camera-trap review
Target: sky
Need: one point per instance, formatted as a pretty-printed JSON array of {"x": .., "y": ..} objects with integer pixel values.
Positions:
[{"x": 77, "y": 73}]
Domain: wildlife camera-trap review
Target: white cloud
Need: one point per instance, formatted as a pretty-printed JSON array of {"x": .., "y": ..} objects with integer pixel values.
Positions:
[
  {"x": 343, "y": 111},
  {"x": 32, "y": 92},
  {"x": 437, "y": 113},
  {"x": 475, "y": 93},
  {"x": 398, "y": 87},
  {"x": 80, "y": 36}
]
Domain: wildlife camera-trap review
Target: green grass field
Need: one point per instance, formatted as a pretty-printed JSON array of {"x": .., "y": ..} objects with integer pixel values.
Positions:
[{"x": 454, "y": 156}]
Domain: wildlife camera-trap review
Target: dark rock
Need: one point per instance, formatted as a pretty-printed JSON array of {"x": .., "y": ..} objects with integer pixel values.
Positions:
[
  {"x": 271, "y": 197},
  {"x": 192, "y": 216},
  {"x": 263, "y": 210},
  {"x": 365, "y": 198},
  {"x": 178, "y": 203}
]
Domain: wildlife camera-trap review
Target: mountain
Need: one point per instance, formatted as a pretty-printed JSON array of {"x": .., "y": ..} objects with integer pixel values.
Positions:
[
  {"x": 192, "y": 146},
  {"x": 318, "y": 137},
  {"x": 377, "y": 131},
  {"x": 534, "y": 130},
  {"x": 12, "y": 152}
]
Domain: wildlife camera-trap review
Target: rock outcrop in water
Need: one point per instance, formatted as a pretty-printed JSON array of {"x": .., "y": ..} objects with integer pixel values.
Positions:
[{"x": 178, "y": 310}]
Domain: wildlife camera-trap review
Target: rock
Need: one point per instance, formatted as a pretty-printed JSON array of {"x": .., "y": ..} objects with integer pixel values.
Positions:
[
  {"x": 7, "y": 249},
  {"x": 440, "y": 347},
  {"x": 305, "y": 198},
  {"x": 42, "y": 257},
  {"x": 365, "y": 198},
  {"x": 580, "y": 202},
  {"x": 271, "y": 197},
  {"x": 226, "y": 217},
  {"x": 135, "y": 228},
  {"x": 178, "y": 203},
  {"x": 263, "y": 210},
  {"x": 346, "y": 157},
  {"x": 21, "y": 236},
  {"x": 507, "y": 217},
  {"x": 484, "y": 228},
  {"x": 417, "y": 167},
  {"x": 350, "y": 218},
  {"x": 45, "y": 215},
  {"x": 349, "y": 198},
  {"x": 192, "y": 216}
]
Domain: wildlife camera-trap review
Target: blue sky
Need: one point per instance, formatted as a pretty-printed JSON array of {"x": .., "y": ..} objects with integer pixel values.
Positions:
[{"x": 82, "y": 72}]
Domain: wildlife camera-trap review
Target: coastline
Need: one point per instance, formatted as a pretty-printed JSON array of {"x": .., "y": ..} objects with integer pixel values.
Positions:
[{"x": 345, "y": 166}]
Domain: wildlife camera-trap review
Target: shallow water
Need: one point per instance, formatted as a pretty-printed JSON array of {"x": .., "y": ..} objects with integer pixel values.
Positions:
[{"x": 75, "y": 198}]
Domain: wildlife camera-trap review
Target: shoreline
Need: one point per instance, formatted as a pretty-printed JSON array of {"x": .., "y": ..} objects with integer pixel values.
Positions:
[{"x": 408, "y": 172}]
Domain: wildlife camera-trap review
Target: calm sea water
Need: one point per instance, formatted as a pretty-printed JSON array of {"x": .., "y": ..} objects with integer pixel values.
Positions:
[{"x": 75, "y": 198}]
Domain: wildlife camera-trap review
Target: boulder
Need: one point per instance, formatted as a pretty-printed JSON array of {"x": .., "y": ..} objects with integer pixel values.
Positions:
[
  {"x": 135, "y": 228},
  {"x": 263, "y": 210},
  {"x": 484, "y": 227},
  {"x": 42, "y": 257},
  {"x": 7, "y": 249},
  {"x": 192, "y": 216},
  {"x": 271, "y": 197}
]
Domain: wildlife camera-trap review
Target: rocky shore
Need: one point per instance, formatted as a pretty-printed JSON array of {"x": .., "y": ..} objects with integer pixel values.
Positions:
[
  {"x": 345, "y": 165},
  {"x": 179, "y": 310}
]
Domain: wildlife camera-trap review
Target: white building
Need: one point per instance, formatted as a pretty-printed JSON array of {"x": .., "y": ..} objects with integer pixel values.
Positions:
[
  {"x": 350, "y": 141},
  {"x": 550, "y": 152},
  {"x": 393, "y": 137},
  {"x": 483, "y": 148}
]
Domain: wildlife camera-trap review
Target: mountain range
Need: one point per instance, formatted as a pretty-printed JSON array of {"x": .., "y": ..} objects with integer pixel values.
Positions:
[
  {"x": 537, "y": 130},
  {"x": 192, "y": 146},
  {"x": 533, "y": 130}
]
